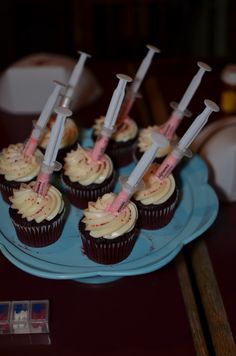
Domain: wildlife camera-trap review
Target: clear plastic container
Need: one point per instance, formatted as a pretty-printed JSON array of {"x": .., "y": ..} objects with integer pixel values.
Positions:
[
  {"x": 24, "y": 317},
  {"x": 5, "y": 317},
  {"x": 20, "y": 317},
  {"x": 39, "y": 316}
]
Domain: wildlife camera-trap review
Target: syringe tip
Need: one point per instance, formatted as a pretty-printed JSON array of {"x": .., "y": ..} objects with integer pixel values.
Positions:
[
  {"x": 125, "y": 77},
  {"x": 59, "y": 84},
  {"x": 204, "y": 66},
  {"x": 81, "y": 52},
  {"x": 211, "y": 105},
  {"x": 153, "y": 48},
  {"x": 63, "y": 111}
]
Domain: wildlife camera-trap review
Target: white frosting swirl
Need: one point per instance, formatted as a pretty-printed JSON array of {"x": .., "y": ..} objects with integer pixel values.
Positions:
[
  {"x": 79, "y": 167},
  {"x": 70, "y": 133},
  {"x": 101, "y": 223},
  {"x": 15, "y": 166},
  {"x": 155, "y": 191},
  {"x": 127, "y": 131},
  {"x": 33, "y": 206},
  {"x": 145, "y": 141}
]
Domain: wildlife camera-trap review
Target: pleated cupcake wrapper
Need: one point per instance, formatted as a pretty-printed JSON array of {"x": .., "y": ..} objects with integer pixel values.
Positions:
[
  {"x": 39, "y": 235},
  {"x": 156, "y": 218},
  {"x": 6, "y": 192},
  {"x": 121, "y": 156},
  {"x": 121, "y": 153},
  {"x": 6, "y": 189},
  {"x": 81, "y": 197},
  {"x": 109, "y": 252}
]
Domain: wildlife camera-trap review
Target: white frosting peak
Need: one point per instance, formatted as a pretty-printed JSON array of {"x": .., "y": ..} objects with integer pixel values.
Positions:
[
  {"x": 101, "y": 223},
  {"x": 80, "y": 167},
  {"x": 70, "y": 133},
  {"x": 15, "y": 166},
  {"x": 145, "y": 141},
  {"x": 155, "y": 191},
  {"x": 33, "y": 206},
  {"x": 127, "y": 131}
]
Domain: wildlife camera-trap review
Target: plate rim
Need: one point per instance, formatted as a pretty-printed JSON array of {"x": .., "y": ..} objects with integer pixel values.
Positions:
[{"x": 149, "y": 267}]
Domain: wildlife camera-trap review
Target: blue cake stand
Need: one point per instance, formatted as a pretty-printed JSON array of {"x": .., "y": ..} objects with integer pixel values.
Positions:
[{"x": 64, "y": 259}]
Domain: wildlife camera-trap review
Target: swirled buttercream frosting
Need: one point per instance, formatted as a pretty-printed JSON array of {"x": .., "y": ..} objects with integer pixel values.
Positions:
[
  {"x": 155, "y": 191},
  {"x": 79, "y": 167},
  {"x": 70, "y": 134},
  {"x": 145, "y": 141},
  {"x": 101, "y": 223},
  {"x": 33, "y": 206},
  {"x": 15, "y": 166},
  {"x": 127, "y": 131}
]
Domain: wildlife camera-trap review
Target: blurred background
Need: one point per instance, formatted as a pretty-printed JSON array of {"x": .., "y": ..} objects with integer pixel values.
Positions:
[{"x": 117, "y": 29}]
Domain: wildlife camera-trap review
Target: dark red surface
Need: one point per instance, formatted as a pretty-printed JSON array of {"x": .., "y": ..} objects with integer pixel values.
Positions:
[
  {"x": 221, "y": 243},
  {"x": 141, "y": 315}
]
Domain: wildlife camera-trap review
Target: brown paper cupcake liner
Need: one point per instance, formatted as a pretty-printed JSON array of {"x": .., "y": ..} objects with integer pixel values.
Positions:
[
  {"x": 121, "y": 153},
  {"x": 80, "y": 195},
  {"x": 152, "y": 217},
  {"x": 6, "y": 188},
  {"x": 106, "y": 251},
  {"x": 37, "y": 234}
]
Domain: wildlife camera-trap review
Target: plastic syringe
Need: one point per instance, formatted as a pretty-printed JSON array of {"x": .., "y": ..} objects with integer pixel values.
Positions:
[
  {"x": 42, "y": 121},
  {"x": 132, "y": 183},
  {"x": 133, "y": 90},
  {"x": 181, "y": 149},
  {"x": 110, "y": 118},
  {"x": 49, "y": 163},
  {"x": 74, "y": 79},
  {"x": 180, "y": 110}
]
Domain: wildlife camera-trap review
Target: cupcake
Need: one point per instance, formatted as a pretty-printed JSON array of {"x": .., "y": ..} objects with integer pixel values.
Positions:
[
  {"x": 84, "y": 179},
  {"x": 69, "y": 138},
  {"x": 16, "y": 168},
  {"x": 122, "y": 143},
  {"x": 38, "y": 220},
  {"x": 108, "y": 238},
  {"x": 144, "y": 142},
  {"x": 156, "y": 202}
]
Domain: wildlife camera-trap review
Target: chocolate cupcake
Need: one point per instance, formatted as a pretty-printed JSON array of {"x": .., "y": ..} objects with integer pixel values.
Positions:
[
  {"x": 108, "y": 238},
  {"x": 38, "y": 220},
  {"x": 122, "y": 143},
  {"x": 144, "y": 142},
  {"x": 16, "y": 168},
  {"x": 69, "y": 138},
  {"x": 157, "y": 201},
  {"x": 84, "y": 179}
]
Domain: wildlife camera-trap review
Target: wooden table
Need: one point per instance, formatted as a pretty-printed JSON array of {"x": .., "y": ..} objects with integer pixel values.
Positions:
[{"x": 185, "y": 308}]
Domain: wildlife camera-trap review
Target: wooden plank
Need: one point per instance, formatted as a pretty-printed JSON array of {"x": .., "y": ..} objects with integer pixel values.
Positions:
[
  {"x": 190, "y": 304},
  {"x": 212, "y": 302}
]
